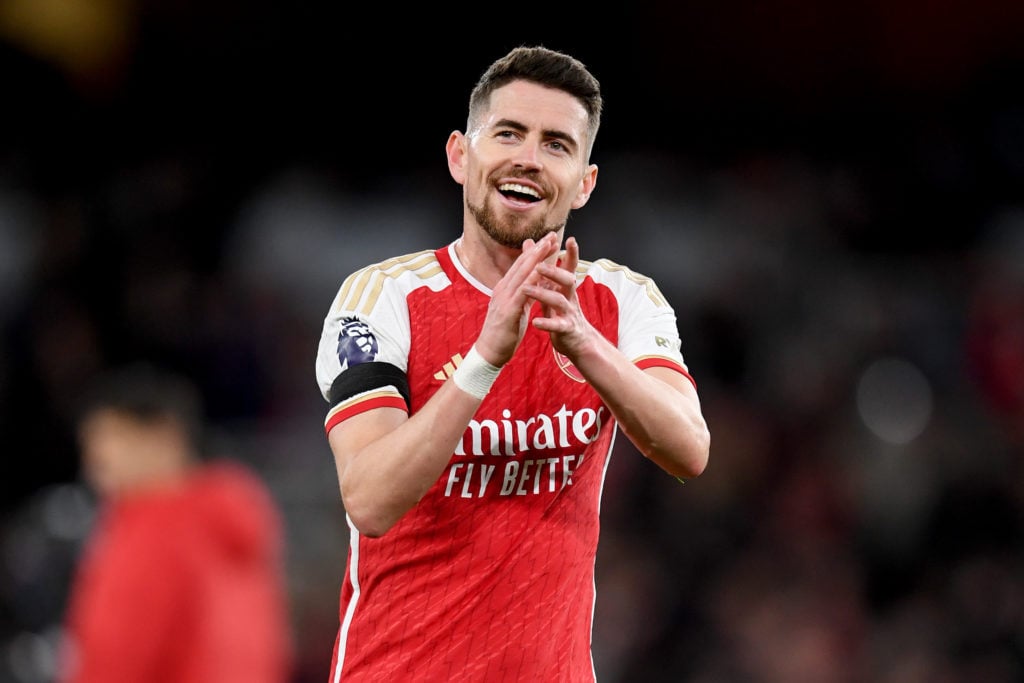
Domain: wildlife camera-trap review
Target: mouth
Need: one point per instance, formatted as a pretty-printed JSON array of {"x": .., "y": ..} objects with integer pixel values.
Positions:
[{"x": 519, "y": 194}]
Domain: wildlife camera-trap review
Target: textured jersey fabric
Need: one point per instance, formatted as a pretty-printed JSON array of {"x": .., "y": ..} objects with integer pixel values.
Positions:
[
  {"x": 183, "y": 585},
  {"x": 490, "y": 577}
]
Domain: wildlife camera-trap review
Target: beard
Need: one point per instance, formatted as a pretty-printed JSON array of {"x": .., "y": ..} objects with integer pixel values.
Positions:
[{"x": 511, "y": 230}]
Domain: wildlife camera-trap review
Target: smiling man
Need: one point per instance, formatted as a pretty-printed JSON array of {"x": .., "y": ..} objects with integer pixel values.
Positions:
[{"x": 472, "y": 424}]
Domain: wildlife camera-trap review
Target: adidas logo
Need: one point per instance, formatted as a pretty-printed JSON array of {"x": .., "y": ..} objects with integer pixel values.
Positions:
[{"x": 448, "y": 369}]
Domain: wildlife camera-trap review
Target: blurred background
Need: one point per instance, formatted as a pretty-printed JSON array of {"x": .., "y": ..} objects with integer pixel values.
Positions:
[{"x": 831, "y": 195}]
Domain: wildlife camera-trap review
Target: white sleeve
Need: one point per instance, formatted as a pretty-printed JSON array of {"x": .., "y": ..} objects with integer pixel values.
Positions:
[
  {"x": 358, "y": 334},
  {"x": 648, "y": 326},
  {"x": 648, "y": 332}
]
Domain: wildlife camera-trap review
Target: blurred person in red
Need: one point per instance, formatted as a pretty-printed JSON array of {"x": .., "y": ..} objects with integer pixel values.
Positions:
[{"x": 182, "y": 580}]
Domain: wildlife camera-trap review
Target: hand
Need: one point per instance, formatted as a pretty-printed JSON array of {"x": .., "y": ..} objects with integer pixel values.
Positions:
[
  {"x": 509, "y": 309},
  {"x": 555, "y": 289}
]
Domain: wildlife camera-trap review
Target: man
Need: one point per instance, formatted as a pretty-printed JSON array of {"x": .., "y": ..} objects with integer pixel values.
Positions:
[
  {"x": 475, "y": 392},
  {"x": 182, "y": 580}
]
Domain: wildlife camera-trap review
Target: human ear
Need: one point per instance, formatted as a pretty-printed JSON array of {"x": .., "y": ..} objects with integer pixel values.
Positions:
[
  {"x": 455, "y": 149},
  {"x": 587, "y": 185}
]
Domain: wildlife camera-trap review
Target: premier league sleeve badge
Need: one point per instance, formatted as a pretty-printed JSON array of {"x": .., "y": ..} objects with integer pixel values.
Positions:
[{"x": 356, "y": 343}]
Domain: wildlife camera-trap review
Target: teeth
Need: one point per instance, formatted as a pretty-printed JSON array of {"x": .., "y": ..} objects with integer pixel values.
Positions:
[{"x": 521, "y": 189}]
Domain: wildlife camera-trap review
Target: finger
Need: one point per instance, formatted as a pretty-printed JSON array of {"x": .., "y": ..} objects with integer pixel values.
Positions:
[
  {"x": 558, "y": 275},
  {"x": 549, "y": 244},
  {"x": 563, "y": 272},
  {"x": 522, "y": 268},
  {"x": 553, "y": 325},
  {"x": 551, "y": 299},
  {"x": 552, "y": 240},
  {"x": 537, "y": 253},
  {"x": 572, "y": 256},
  {"x": 570, "y": 252}
]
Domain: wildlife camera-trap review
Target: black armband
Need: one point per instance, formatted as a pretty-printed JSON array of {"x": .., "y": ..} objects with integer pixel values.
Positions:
[{"x": 366, "y": 377}]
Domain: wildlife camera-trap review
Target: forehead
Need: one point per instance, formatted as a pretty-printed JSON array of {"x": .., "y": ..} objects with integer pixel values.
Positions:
[
  {"x": 537, "y": 107},
  {"x": 106, "y": 420}
]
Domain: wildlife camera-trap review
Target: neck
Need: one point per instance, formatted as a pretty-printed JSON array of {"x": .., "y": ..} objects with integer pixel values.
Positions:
[{"x": 486, "y": 260}]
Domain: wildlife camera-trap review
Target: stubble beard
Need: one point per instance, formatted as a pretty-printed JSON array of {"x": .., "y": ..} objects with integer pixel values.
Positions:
[{"x": 511, "y": 230}]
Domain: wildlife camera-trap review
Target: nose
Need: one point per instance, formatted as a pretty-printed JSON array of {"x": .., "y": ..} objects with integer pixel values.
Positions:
[{"x": 528, "y": 155}]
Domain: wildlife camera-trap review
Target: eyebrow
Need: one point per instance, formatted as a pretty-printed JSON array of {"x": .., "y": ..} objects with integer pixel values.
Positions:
[{"x": 551, "y": 133}]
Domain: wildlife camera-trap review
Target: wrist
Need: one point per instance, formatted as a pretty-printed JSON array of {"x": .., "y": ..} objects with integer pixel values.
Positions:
[{"x": 475, "y": 375}]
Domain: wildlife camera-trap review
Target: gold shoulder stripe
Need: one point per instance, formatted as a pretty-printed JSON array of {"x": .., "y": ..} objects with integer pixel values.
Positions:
[
  {"x": 423, "y": 271},
  {"x": 647, "y": 283},
  {"x": 423, "y": 263}
]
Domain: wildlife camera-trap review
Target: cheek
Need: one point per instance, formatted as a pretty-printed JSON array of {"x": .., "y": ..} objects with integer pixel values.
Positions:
[
  {"x": 107, "y": 460},
  {"x": 97, "y": 469},
  {"x": 476, "y": 186}
]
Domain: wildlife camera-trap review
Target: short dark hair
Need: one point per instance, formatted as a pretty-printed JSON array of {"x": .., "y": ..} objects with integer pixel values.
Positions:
[
  {"x": 547, "y": 67},
  {"x": 149, "y": 394}
]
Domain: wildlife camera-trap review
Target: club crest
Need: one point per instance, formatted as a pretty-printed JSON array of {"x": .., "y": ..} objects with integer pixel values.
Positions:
[{"x": 566, "y": 366}]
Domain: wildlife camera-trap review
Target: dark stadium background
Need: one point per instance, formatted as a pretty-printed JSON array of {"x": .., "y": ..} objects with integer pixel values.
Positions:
[{"x": 830, "y": 194}]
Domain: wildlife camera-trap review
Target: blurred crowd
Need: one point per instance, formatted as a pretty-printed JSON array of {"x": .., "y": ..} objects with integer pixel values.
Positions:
[{"x": 849, "y": 282}]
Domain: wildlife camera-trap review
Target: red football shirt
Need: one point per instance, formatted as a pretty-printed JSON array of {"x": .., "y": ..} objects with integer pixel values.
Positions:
[{"x": 490, "y": 577}]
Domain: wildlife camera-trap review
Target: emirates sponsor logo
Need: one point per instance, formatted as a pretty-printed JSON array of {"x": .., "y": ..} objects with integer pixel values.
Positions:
[
  {"x": 532, "y": 456},
  {"x": 554, "y": 445},
  {"x": 507, "y": 436}
]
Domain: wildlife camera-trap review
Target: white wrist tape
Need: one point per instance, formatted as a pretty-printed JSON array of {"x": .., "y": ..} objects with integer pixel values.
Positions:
[{"x": 475, "y": 375}]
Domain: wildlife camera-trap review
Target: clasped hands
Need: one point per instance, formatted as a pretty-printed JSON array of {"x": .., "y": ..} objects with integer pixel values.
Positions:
[{"x": 544, "y": 275}]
